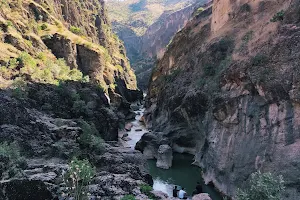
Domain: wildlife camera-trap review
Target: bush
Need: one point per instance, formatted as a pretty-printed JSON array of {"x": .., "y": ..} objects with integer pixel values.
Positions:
[
  {"x": 90, "y": 137},
  {"x": 19, "y": 88},
  {"x": 278, "y": 16},
  {"x": 128, "y": 197},
  {"x": 198, "y": 11},
  {"x": 262, "y": 186},
  {"x": 43, "y": 27},
  {"x": 11, "y": 161},
  {"x": 245, "y": 8},
  {"x": 146, "y": 189},
  {"x": 77, "y": 178},
  {"x": 76, "y": 30}
]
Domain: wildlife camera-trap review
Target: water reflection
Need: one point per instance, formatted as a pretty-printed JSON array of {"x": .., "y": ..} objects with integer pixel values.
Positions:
[{"x": 182, "y": 173}]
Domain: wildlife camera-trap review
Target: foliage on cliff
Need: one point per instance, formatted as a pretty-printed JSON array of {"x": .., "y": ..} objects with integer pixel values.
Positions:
[{"x": 28, "y": 30}]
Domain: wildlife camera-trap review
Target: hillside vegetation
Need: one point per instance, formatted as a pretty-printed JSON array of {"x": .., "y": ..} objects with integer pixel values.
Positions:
[
  {"x": 138, "y": 15},
  {"x": 46, "y": 42}
]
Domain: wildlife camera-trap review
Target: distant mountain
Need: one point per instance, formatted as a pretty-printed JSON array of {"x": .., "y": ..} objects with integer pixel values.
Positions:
[{"x": 147, "y": 27}]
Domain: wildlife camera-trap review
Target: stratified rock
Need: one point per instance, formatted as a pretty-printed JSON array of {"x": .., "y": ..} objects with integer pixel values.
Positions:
[{"x": 164, "y": 157}]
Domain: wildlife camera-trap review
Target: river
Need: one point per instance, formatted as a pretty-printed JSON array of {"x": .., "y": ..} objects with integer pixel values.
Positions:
[{"x": 181, "y": 173}]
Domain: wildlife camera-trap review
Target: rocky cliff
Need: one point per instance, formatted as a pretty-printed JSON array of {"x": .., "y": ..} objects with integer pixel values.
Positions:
[
  {"x": 65, "y": 88},
  {"x": 227, "y": 91},
  {"x": 78, "y": 32}
]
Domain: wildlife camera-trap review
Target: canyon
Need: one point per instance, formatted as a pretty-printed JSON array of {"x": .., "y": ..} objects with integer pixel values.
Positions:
[
  {"x": 222, "y": 83},
  {"x": 146, "y": 32}
]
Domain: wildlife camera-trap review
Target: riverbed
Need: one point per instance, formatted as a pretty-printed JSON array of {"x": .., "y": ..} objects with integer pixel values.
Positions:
[{"x": 182, "y": 172}]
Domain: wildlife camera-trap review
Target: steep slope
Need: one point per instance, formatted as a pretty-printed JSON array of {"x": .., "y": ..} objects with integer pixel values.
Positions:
[
  {"x": 227, "y": 91},
  {"x": 147, "y": 31},
  {"x": 65, "y": 88},
  {"x": 76, "y": 31}
]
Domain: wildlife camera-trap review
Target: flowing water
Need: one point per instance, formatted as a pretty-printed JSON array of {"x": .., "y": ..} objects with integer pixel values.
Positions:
[{"x": 182, "y": 173}]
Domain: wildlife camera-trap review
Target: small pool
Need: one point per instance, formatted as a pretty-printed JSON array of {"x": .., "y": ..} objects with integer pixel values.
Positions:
[{"x": 182, "y": 173}]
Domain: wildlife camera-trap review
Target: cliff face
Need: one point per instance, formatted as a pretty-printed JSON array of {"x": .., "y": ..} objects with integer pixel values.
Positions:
[
  {"x": 227, "y": 91},
  {"x": 78, "y": 32},
  {"x": 65, "y": 88}
]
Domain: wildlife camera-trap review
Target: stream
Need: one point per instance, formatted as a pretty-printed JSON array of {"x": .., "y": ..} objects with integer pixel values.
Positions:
[{"x": 181, "y": 173}]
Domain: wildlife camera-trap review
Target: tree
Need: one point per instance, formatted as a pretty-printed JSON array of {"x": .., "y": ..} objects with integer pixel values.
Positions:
[{"x": 262, "y": 186}]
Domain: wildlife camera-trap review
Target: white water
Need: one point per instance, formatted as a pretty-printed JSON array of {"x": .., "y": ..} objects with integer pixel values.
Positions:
[{"x": 134, "y": 135}]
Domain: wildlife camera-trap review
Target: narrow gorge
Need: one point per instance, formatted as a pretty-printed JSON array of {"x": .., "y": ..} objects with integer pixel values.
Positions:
[{"x": 129, "y": 99}]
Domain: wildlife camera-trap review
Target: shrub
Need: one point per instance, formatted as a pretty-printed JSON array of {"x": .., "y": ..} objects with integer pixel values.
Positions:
[
  {"x": 278, "y": 16},
  {"x": 28, "y": 63},
  {"x": 198, "y": 11},
  {"x": 13, "y": 162},
  {"x": 128, "y": 197},
  {"x": 146, "y": 189},
  {"x": 43, "y": 27},
  {"x": 90, "y": 137},
  {"x": 19, "y": 88},
  {"x": 245, "y": 8},
  {"x": 262, "y": 186},
  {"x": 76, "y": 30},
  {"x": 9, "y": 23},
  {"x": 10, "y": 150},
  {"x": 77, "y": 178}
]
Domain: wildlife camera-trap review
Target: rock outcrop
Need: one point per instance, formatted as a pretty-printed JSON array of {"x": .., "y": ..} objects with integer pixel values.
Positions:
[
  {"x": 164, "y": 157},
  {"x": 227, "y": 91}
]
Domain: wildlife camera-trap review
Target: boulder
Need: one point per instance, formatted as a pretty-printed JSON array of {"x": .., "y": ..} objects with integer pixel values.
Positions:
[
  {"x": 128, "y": 126},
  {"x": 164, "y": 157},
  {"x": 202, "y": 196}
]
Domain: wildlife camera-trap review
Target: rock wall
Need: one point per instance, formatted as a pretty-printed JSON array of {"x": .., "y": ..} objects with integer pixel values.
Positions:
[{"x": 227, "y": 92}]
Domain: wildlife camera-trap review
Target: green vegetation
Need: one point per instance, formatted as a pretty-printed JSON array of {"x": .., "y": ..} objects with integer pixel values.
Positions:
[
  {"x": 90, "y": 137},
  {"x": 262, "y": 186},
  {"x": 245, "y": 8},
  {"x": 43, "y": 27},
  {"x": 278, "y": 16},
  {"x": 11, "y": 160},
  {"x": 147, "y": 189},
  {"x": 41, "y": 69},
  {"x": 198, "y": 11},
  {"x": 128, "y": 197},
  {"x": 78, "y": 177},
  {"x": 76, "y": 30}
]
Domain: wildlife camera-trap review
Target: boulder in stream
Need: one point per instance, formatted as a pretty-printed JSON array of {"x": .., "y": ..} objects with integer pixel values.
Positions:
[
  {"x": 128, "y": 126},
  {"x": 164, "y": 157}
]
